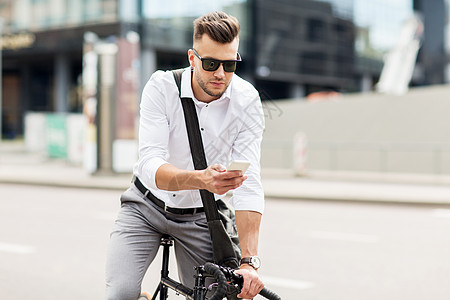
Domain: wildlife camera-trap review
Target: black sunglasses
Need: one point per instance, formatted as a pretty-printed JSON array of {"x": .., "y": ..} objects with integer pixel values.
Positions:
[{"x": 211, "y": 64}]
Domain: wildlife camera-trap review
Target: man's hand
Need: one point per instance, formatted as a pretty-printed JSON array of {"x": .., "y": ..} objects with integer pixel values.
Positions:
[
  {"x": 215, "y": 179},
  {"x": 218, "y": 180},
  {"x": 252, "y": 283}
]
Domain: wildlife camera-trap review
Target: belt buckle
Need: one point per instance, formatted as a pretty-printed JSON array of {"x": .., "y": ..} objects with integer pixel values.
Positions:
[{"x": 165, "y": 208}]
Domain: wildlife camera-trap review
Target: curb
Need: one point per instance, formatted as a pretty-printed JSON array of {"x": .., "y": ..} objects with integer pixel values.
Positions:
[{"x": 290, "y": 189}]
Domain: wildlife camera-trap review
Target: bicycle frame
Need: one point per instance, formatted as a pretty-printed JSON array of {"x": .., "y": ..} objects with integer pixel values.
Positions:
[
  {"x": 166, "y": 282},
  {"x": 221, "y": 274},
  {"x": 199, "y": 291}
]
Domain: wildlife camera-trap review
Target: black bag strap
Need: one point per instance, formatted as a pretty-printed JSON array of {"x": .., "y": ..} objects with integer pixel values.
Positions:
[
  {"x": 222, "y": 245},
  {"x": 196, "y": 145}
]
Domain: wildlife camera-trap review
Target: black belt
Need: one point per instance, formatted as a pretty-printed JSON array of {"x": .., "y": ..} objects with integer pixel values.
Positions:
[{"x": 161, "y": 204}]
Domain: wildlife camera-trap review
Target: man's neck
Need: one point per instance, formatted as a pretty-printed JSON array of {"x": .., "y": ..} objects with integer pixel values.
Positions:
[{"x": 199, "y": 93}]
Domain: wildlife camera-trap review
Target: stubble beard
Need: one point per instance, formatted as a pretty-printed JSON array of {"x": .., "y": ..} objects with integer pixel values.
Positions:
[{"x": 211, "y": 93}]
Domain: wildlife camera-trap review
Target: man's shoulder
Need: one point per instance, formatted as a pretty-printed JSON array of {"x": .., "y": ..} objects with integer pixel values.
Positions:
[
  {"x": 161, "y": 88},
  {"x": 162, "y": 76},
  {"x": 244, "y": 88}
]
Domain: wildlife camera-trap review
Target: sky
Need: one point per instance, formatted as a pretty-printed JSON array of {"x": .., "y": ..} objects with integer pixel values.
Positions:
[{"x": 384, "y": 18}]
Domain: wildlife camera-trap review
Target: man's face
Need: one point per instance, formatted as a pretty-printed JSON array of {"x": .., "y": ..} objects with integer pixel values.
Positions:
[{"x": 210, "y": 85}]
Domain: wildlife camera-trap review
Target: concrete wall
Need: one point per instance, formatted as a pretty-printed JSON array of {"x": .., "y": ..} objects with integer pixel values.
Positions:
[{"x": 364, "y": 132}]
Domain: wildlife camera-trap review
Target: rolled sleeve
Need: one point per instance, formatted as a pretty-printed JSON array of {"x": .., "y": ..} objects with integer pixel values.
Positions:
[
  {"x": 153, "y": 132},
  {"x": 149, "y": 168},
  {"x": 247, "y": 146}
]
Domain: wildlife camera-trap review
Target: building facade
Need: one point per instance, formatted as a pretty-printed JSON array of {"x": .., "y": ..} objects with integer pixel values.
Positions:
[
  {"x": 42, "y": 51},
  {"x": 290, "y": 48},
  {"x": 433, "y": 59}
]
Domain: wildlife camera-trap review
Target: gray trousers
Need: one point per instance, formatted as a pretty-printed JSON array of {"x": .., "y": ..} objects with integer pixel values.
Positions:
[{"x": 135, "y": 240}]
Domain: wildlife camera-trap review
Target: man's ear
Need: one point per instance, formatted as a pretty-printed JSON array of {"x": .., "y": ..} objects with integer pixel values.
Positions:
[{"x": 191, "y": 56}]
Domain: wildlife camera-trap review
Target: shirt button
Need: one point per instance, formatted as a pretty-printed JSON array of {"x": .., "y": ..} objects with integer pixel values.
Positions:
[
  {"x": 202, "y": 129},
  {"x": 174, "y": 195}
]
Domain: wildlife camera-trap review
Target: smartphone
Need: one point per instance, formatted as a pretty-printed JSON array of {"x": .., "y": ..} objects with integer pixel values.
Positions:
[{"x": 239, "y": 165}]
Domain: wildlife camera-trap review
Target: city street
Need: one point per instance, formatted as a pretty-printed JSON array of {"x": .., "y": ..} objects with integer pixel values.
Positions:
[{"x": 53, "y": 243}]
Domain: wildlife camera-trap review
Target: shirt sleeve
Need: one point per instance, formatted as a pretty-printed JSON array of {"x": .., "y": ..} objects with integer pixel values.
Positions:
[
  {"x": 247, "y": 146},
  {"x": 153, "y": 131}
]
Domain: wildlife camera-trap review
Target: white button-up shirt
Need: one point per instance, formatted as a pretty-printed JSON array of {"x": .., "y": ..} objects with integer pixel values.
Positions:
[{"x": 231, "y": 129}]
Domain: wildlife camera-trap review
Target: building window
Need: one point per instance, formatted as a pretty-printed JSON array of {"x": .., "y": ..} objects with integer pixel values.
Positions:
[{"x": 316, "y": 30}]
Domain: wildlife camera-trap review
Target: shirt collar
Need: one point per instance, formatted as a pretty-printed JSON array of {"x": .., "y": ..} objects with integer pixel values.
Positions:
[{"x": 187, "y": 92}]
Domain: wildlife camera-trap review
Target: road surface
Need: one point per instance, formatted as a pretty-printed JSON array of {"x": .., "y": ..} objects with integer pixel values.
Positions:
[{"x": 53, "y": 243}]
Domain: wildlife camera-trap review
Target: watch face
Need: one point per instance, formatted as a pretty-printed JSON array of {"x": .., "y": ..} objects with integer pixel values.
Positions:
[{"x": 255, "y": 262}]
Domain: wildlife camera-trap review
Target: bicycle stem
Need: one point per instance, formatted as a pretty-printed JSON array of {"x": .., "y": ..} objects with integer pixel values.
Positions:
[{"x": 199, "y": 289}]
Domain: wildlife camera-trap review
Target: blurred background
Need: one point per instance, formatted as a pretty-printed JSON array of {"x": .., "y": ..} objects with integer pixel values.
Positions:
[
  {"x": 72, "y": 73},
  {"x": 355, "y": 156}
]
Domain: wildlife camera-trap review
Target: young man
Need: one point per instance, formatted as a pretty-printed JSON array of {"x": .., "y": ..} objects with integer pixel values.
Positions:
[{"x": 231, "y": 120}]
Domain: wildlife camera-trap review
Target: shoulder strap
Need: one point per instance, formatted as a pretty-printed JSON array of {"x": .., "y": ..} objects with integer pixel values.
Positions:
[
  {"x": 222, "y": 245},
  {"x": 196, "y": 145},
  {"x": 177, "y": 76}
]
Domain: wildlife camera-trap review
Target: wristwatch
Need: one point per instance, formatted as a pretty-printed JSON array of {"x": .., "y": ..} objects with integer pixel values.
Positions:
[{"x": 253, "y": 261}]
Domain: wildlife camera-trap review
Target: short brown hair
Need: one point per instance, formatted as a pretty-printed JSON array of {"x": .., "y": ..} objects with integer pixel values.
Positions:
[{"x": 219, "y": 26}]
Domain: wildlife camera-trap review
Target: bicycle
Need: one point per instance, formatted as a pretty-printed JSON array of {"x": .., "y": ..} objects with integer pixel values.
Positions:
[{"x": 223, "y": 277}]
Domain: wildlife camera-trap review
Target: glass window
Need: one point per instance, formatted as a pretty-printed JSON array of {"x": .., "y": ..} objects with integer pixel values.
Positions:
[
  {"x": 43, "y": 14},
  {"x": 129, "y": 10},
  {"x": 182, "y": 8},
  {"x": 316, "y": 30},
  {"x": 447, "y": 27},
  {"x": 383, "y": 20},
  {"x": 171, "y": 24},
  {"x": 341, "y": 8}
]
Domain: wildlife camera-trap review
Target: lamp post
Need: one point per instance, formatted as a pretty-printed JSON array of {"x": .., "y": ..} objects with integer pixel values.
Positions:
[{"x": 107, "y": 53}]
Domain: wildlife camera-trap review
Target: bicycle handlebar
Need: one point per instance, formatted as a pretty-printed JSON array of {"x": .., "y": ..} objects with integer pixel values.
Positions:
[
  {"x": 266, "y": 293},
  {"x": 222, "y": 274},
  {"x": 221, "y": 289}
]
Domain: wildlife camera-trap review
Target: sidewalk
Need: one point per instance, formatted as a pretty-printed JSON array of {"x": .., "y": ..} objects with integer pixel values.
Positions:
[{"x": 20, "y": 167}]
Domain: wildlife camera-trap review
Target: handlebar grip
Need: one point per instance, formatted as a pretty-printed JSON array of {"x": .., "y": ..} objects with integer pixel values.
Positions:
[
  {"x": 221, "y": 274},
  {"x": 221, "y": 289},
  {"x": 265, "y": 292}
]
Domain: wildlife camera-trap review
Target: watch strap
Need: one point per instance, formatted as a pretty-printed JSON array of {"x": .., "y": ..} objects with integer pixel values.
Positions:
[
  {"x": 253, "y": 261},
  {"x": 246, "y": 260}
]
